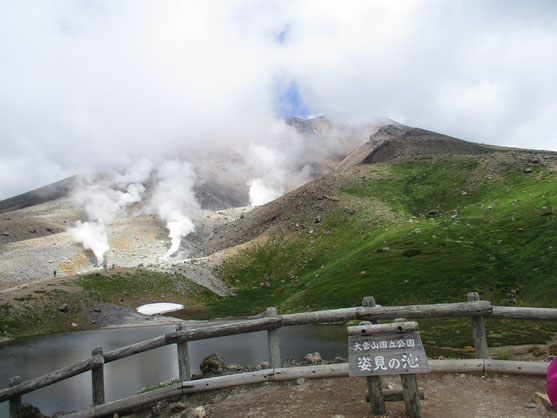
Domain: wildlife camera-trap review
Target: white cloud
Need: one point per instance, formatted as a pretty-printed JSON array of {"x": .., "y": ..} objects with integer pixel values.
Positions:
[{"x": 99, "y": 84}]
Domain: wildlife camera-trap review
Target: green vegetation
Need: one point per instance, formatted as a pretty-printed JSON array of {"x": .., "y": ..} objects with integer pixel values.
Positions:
[
  {"x": 456, "y": 332},
  {"x": 132, "y": 288},
  {"x": 38, "y": 312},
  {"x": 158, "y": 386},
  {"x": 413, "y": 232},
  {"x": 26, "y": 319}
]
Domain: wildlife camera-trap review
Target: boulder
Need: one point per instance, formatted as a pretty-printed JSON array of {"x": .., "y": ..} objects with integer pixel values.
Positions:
[
  {"x": 198, "y": 412},
  {"x": 212, "y": 365},
  {"x": 313, "y": 358}
]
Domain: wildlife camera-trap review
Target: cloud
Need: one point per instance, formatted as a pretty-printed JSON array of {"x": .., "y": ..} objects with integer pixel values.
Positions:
[{"x": 99, "y": 85}]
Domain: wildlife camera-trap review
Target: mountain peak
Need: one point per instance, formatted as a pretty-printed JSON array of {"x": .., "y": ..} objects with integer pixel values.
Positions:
[{"x": 393, "y": 140}]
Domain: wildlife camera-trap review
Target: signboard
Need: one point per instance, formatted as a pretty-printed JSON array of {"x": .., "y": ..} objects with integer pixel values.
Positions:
[{"x": 386, "y": 353}]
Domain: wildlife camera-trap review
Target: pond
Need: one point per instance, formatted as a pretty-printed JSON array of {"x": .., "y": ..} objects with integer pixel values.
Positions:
[{"x": 32, "y": 357}]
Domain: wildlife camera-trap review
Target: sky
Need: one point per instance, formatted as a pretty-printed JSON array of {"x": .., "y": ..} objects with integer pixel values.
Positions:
[{"x": 95, "y": 85}]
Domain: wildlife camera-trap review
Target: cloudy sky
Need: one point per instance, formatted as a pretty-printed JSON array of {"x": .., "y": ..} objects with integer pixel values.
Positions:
[{"x": 99, "y": 84}]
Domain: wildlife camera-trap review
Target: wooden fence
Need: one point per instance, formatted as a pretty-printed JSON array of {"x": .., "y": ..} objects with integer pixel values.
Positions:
[{"x": 475, "y": 309}]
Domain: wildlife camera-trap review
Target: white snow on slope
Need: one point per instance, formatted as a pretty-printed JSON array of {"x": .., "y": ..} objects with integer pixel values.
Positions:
[{"x": 158, "y": 308}]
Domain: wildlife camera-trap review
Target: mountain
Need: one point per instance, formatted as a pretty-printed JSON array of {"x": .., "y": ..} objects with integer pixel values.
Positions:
[
  {"x": 411, "y": 216},
  {"x": 36, "y": 197}
]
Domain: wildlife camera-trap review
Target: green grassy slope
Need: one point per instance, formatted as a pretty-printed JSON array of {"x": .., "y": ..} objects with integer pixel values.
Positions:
[{"x": 495, "y": 232}]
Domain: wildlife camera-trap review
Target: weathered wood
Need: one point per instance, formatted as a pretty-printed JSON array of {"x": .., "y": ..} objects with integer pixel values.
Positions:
[
  {"x": 400, "y": 327},
  {"x": 532, "y": 368},
  {"x": 478, "y": 330},
  {"x": 395, "y": 395},
  {"x": 15, "y": 401},
  {"x": 535, "y": 314},
  {"x": 224, "y": 329},
  {"x": 332, "y": 315},
  {"x": 439, "y": 310},
  {"x": 132, "y": 349},
  {"x": 376, "y": 398},
  {"x": 516, "y": 367},
  {"x": 273, "y": 340},
  {"x": 368, "y": 302},
  {"x": 411, "y": 395},
  {"x": 126, "y": 404},
  {"x": 374, "y": 383},
  {"x": 183, "y": 357},
  {"x": 97, "y": 379},
  {"x": 292, "y": 373},
  {"x": 311, "y": 372},
  {"x": 456, "y": 366},
  {"x": 221, "y": 382},
  {"x": 50, "y": 378},
  {"x": 467, "y": 309}
]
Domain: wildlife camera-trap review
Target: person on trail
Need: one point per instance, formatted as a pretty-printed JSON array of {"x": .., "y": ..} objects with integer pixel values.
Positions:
[
  {"x": 552, "y": 383},
  {"x": 54, "y": 273}
]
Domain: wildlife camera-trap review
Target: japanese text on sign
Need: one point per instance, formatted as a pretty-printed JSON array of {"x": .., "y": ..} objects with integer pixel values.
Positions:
[
  {"x": 390, "y": 353},
  {"x": 379, "y": 363}
]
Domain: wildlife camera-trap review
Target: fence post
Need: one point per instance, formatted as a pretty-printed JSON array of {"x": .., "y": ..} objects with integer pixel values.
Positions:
[
  {"x": 273, "y": 339},
  {"x": 183, "y": 357},
  {"x": 411, "y": 395},
  {"x": 478, "y": 331},
  {"x": 374, "y": 387},
  {"x": 15, "y": 402},
  {"x": 97, "y": 379}
]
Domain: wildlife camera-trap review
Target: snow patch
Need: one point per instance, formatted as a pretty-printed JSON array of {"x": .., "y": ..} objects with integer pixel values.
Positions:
[{"x": 158, "y": 308}]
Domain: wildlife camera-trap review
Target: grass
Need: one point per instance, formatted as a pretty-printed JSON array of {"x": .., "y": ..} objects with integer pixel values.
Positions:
[
  {"x": 38, "y": 314},
  {"x": 132, "y": 288},
  {"x": 411, "y": 233}
]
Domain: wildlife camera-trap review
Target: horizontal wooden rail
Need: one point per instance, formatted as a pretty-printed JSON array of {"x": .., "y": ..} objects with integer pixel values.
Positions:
[
  {"x": 132, "y": 349},
  {"x": 193, "y": 335},
  {"x": 242, "y": 327},
  {"x": 332, "y": 315},
  {"x": 535, "y": 314},
  {"x": 439, "y": 310},
  {"x": 463, "y": 309},
  {"x": 50, "y": 378},
  {"x": 128, "y": 403},
  {"x": 292, "y": 373}
]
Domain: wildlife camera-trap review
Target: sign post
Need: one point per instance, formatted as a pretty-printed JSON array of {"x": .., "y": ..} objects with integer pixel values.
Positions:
[{"x": 389, "y": 349}]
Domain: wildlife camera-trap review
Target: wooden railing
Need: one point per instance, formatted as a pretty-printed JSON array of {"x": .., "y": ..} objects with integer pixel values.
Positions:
[{"x": 475, "y": 309}]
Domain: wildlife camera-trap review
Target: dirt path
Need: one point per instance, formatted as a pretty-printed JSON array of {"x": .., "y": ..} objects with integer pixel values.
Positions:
[{"x": 447, "y": 396}]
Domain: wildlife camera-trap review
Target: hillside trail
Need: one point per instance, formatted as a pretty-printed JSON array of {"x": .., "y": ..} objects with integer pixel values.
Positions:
[{"x": 446, "y": 396}]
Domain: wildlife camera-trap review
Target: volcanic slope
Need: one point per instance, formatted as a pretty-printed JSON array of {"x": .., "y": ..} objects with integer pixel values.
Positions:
[{"x": 410, "y": 217}]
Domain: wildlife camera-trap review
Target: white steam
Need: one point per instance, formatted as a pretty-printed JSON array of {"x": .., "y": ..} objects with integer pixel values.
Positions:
[
  {"x": 174, "y": 200},
  {"x": 93, "y": 237},
  {"x": 293, "y": 158},
  {"x": 104, "y": 200},
  {"x": 260, "y": 193}
]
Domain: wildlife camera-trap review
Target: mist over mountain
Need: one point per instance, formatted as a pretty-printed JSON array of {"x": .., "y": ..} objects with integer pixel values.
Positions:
[{"x": 405, "y": 214}]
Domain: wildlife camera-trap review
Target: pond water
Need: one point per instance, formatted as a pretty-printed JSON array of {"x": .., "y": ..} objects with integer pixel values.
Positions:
[{"x": 32, "y": 357}]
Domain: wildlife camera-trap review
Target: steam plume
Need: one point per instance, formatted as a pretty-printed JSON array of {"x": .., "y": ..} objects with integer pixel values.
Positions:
[
  {"x": 174, "y": 200},
  {"x": 104, "y": 200}
]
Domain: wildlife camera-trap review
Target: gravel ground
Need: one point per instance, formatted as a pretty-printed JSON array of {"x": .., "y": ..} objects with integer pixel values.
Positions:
[
  {"x": 35, "y": 241},
  {"x": 447, "y": 396}
]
